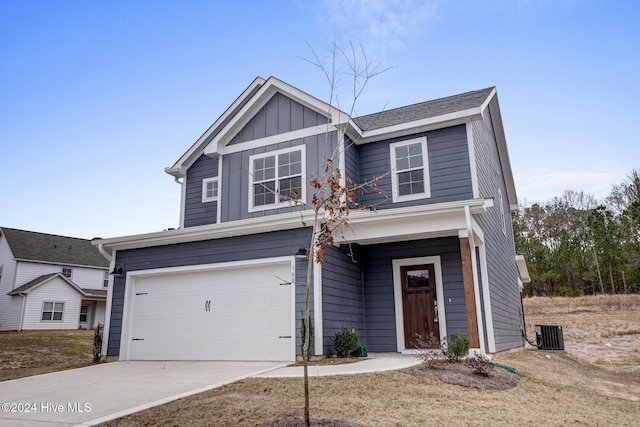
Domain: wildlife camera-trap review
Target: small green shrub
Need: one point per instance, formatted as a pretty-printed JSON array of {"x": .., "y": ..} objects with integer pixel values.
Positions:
[
  {"x": 457, "y": 347},
  {"x": 345, "y": 342}
]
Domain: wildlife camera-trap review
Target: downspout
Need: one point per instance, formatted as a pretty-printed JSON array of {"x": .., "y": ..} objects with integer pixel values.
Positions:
[
  {"x": 24, "y": 304},
  {"x": 474, "y": 268},
  {"x": 104, "y": 253},
  {"x": 183, "y": 196}
]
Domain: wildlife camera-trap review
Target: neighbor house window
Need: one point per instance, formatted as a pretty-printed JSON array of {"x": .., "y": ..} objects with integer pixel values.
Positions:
[
  {"x": 105, "y": 280},
  {"x": 52, "y": 311},
  {"x": 66, "y": 272},
  {"x": 84, "y": 311},
  {"x": 276, "y": 178},
  {"x": 410, "y": 170},
  {"x": 209, "y": 190}
]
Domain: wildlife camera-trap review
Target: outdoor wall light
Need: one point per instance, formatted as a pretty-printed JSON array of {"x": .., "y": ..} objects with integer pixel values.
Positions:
[
  {"x": 117, "y": 270},
  {"x": 302, "y": 252}
]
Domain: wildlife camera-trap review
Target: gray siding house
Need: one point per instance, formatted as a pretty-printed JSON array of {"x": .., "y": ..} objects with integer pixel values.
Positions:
[{"x": 436, "y": 256}]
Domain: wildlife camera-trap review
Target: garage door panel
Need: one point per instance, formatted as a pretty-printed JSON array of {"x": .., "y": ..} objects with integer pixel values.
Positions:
[{"x": 226, "y": 314}]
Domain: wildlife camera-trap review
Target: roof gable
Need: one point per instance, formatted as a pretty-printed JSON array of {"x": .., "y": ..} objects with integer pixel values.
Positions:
[
  {"x": 53, "y": 249},
  {"x": 279, "y": 115},
  {"x": 39, "y": 281}
]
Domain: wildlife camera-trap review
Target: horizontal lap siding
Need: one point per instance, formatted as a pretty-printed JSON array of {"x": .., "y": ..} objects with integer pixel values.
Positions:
[
  {"x": 196, "y": 212},
  {"x": 266, "y": 245},
  {"x": 379, "y": 297},
  {"x": 449, "y": 167},
  {"x": 342, "y": 296},
  {"x": 504, "y": 289}
]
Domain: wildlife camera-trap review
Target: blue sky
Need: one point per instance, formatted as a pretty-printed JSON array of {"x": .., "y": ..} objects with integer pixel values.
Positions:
[{"x": 97, "y": 97}]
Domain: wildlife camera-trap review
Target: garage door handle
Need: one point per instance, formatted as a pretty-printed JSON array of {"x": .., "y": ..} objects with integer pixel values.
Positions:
[
  {"x": 138, "y": 339},
  {"x": 207, "y": 305},
  {"x": 284, "y": 336}
]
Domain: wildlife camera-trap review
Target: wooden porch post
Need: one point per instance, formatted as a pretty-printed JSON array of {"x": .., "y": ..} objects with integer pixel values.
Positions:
[{"x": 469, "y": 294}]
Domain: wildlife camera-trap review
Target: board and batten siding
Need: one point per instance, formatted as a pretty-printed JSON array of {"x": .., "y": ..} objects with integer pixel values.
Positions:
[
  {"x": 342, "y": 295},
  {"x": 55, "y": 290},
  {"x": 236, "y": 167},
  {"x": 279, "y": 115},
  {"x": 195, "y": 211},
  {"x": 379, "y": 287},
  {"x": 449, "y": 167},
  {"x": 241, "y": 248},
  {"x": 504, "y": 289}
]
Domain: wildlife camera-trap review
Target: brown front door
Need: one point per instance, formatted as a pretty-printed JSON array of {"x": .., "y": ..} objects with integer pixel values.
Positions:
[{"x": 419, "y": 302}]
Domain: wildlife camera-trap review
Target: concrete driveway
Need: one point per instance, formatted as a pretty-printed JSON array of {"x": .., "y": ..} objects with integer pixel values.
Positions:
[{"x": 95, "y": 394}]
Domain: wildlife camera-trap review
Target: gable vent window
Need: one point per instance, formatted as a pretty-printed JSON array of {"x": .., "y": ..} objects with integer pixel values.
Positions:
[
  {"x": 209, "y": 190},
  {"x": 410, "y": 167},
  {"x": 67, "y": 272},
  {"x": 276, "y": 178}
]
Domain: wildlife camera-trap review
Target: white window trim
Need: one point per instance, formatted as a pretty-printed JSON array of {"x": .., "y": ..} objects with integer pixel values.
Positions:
[
  {"x": 67, "y": 268},
  {"x": 52, "y": 311},
  {"x": 303, "y": 181},
  {"x": 425, "y": 165},
  {"x": 84, "y": 314},
  {"x": 206, "y": 181}
]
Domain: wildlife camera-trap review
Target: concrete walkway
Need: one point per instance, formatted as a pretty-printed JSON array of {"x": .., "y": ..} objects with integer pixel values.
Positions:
[
  {"x": 99, "y": 393},
  {"x": 376, "y": 362}
]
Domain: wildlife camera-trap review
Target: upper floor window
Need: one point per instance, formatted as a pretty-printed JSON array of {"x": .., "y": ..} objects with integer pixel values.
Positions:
[
  {"x": 209, "y": 190},
  {"x": 67, "y": 272},
  {"x": 276, "y": 178},
  {"x": 105, "y": 279},
  {"x": 410, "y": 170}
]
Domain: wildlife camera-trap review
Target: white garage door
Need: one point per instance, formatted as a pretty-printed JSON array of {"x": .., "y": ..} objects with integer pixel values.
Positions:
[{"x": 223, "y": 314}]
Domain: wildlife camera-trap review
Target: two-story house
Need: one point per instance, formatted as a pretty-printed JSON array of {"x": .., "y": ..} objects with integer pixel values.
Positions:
[
  {"x": 436, "y": 256},
  {"x": 50, "y": 282}
]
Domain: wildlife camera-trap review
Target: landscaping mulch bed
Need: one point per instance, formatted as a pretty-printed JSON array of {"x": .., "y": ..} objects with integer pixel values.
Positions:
[{"x": 462, "y": 375}]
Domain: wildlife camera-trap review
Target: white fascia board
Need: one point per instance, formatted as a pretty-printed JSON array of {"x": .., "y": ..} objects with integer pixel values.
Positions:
[
  {"x": 269, "y": 140},
  {"x": 412, "y": 223},
  {"x": 242, "y": 227},
  {"x": 264, "y": 94},
  {"x": 523, "y": 271},
  {"x": 423, "y": 125},
  {"x": 286, "y": 221},
  {"x": 503, "y": 152},
  {"x": 184, "y": 162}
]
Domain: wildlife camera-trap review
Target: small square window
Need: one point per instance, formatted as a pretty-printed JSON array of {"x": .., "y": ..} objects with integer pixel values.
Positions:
[
  {"x": 67, "y": 272},
  {"x": 105, "y": 280},
  {"x": 209, "y": 190}
]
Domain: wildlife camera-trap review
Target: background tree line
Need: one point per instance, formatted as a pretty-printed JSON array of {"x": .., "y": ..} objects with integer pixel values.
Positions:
[{"x": 576, "y": 244}]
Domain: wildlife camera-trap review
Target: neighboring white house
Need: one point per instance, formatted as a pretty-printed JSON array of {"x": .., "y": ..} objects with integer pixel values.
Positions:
[{"x": 50, "y": 282}]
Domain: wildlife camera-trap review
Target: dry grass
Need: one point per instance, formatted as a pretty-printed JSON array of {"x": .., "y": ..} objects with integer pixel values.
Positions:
[
  {"x": 27, "y": 353},
  {"x": 554, "y": 389}
]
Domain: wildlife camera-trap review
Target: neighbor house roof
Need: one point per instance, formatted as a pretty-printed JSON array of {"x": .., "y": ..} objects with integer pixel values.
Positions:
[
  {"x": 41, "y": 280},
  {"x": 52, "y": 249},
  {"x": 424, "y": 110}
]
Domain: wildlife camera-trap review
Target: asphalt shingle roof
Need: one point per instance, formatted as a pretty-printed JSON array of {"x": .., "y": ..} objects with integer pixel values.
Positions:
[
  {"x": 32, "y": 283},
  {"x": 423, "y": 110},
  {"x": 32, "y": 246}
]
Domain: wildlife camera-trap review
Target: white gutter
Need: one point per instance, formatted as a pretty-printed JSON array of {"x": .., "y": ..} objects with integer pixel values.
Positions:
[{"x": 104, "y": 253}]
